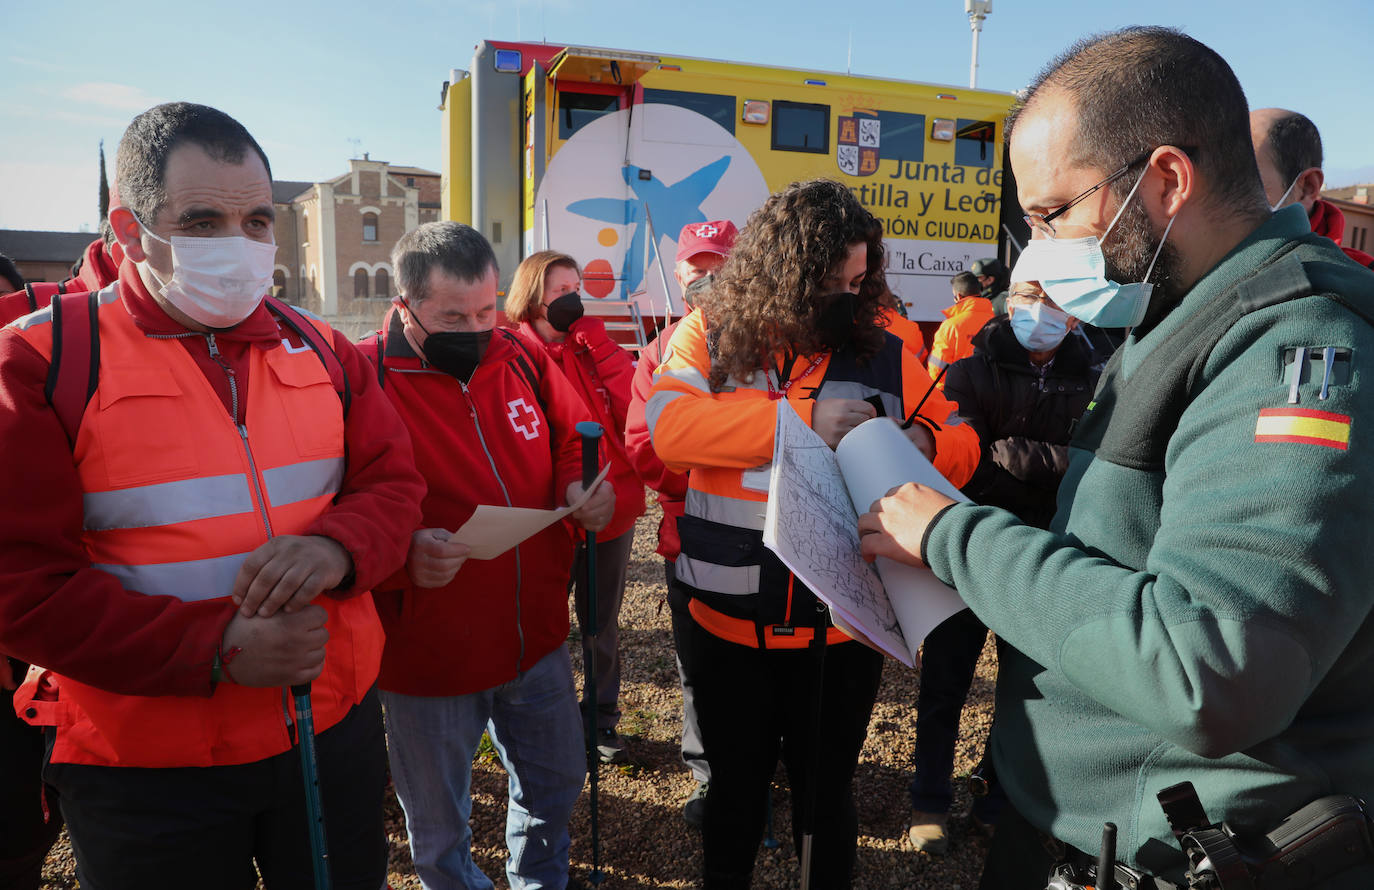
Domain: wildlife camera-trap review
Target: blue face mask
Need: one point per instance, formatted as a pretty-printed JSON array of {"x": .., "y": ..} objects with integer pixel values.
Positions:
[
  {"x": 1073, "y": 273},
  {"x": 1039, "y": 327}
]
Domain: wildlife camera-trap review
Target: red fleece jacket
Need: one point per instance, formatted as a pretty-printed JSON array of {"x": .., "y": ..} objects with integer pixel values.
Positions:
[
  {"x": 600, "y": 371},
  {"x": 498, "y": 440},
  {"x": 1327, "y": 219},
  {"x": 57, "y": 611}
]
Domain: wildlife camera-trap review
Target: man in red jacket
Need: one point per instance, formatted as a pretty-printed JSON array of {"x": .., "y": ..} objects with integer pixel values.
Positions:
[
  {"x": 476, "y": 645},
  {"x": 208, "y": 540},
  {"x": 1288, "y": 149}
]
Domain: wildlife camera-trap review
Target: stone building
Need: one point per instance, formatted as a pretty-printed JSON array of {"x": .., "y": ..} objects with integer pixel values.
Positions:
[{"x": 335, "y": 237}]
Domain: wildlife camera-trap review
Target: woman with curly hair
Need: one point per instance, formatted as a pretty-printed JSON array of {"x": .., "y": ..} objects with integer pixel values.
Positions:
[
  {"x": 793, "y": 314},
  {"x": 546, "y": 302}
]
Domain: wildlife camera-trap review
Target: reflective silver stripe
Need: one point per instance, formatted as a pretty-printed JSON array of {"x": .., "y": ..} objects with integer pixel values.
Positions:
[
  {"x": 853, "y": 389},
  {"x": 167, "y": 503},
  {"x": 736, "y": 512},
  {"x": 654, "y": 407},
  {"x": 688, "y": 375},
  {"x": 937, "y": 362},
  {"x": 294, "y": 483},
  {"x": 733, "y": 580},
  {"x": 191, "y": 581}
]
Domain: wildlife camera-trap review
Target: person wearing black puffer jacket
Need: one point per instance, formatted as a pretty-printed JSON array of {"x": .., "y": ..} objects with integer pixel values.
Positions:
[{"x": 1022, "y": 390}]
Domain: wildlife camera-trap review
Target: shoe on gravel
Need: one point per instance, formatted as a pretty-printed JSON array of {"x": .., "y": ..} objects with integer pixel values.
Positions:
[
  {"x": 694, "y": 810},
  {"x": 927, "y": 833}
]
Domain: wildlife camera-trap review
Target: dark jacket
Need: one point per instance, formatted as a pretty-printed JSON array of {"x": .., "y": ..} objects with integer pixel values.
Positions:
[{"x": 1023, "y": 421}]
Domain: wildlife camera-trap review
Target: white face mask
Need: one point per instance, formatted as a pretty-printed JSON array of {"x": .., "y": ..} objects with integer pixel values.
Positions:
[
  {"x": 217, "y": 282},
  {"x": 1284, "y": 196},
  {"x": 1073, "y": 273}
]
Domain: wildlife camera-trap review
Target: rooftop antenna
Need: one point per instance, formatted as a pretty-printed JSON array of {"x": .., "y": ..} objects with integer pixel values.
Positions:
[
  {"x": 849, "y": 59},
  {"x": 977, "y": 11},
  {"x": 357, "y": 145}
]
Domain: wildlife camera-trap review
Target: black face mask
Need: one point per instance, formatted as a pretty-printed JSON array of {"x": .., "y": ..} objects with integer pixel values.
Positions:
[
  {"x": 456, "y": 353},
  {"x": 563, "y": 312},
  {"x": 836, "y": 321}
]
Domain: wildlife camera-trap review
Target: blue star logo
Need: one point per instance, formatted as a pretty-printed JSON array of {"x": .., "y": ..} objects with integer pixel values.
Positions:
[{"x": 671, "y": 206}]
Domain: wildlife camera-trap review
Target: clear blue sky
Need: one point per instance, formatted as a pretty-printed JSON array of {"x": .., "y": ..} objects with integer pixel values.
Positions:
[{"x": 308, "y": 78}]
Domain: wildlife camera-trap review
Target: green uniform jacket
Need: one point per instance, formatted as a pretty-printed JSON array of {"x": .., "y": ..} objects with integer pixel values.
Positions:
[{"x": 1207, "y": 621}]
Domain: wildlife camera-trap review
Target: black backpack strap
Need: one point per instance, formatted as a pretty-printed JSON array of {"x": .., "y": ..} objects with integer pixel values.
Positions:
[
  {"x": 523, "y": 361},
  {"x": 33, "y": 299},
  {"x": 319, "y": 344},
  {"x": 74, "y": 369}
]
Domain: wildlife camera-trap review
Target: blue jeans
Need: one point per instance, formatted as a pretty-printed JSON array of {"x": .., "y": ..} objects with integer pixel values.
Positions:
[{"x": 537, "y": 730}]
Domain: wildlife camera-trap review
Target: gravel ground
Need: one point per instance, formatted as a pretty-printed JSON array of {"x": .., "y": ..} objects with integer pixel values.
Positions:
[{"x": 645, "y": 843}]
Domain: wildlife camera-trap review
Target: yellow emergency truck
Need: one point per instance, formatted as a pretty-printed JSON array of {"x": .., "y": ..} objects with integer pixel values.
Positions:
[{"x": 606, "y": 155}]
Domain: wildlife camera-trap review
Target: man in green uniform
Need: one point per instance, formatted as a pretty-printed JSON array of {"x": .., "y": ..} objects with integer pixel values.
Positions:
[{"x": 1200, "y": 608}]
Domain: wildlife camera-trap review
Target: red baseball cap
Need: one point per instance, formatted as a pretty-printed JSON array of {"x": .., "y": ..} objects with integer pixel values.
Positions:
[{"x": 714, "y": 236}]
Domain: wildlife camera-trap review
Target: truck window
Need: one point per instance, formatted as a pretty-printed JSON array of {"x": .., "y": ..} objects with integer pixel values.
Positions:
[
  {"x": 903, "y": 136},
  {"x": 576, "y": 110},
  {"x": 801, "y": 126},
  {"x": 973, "y": 145},
  {"x": 720, "y": 109}
]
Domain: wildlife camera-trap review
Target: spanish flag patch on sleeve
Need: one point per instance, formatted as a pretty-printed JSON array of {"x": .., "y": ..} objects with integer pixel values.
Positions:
[{"x": 1303, "y": 425}]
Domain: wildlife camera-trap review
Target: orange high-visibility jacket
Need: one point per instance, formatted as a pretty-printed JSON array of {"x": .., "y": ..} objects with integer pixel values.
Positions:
[
  {"x": 954, "y": 338},
  {"x": 180, "y": 519},
  {"x": 724, "y": 441}
]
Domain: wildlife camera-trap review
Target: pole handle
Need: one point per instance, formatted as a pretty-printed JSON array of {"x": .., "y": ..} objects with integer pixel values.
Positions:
[{"x": 590, "y": 431}]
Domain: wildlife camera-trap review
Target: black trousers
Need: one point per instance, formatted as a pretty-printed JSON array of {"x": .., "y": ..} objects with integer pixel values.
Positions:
[
  {"x": 205, "y": 827},
  {"x": 26, "y": 833},
  {"x": 756, "y": 705}
]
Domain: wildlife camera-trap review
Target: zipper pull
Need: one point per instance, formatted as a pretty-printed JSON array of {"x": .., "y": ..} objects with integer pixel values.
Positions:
[{"x": 214, "y": 349}]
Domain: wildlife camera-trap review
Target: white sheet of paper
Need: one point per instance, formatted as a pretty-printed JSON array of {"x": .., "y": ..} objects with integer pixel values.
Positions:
[
  {"x": 812, "y": 527},
  {"x": 875, "y": 457},
  {"x": 491, "y": 531}
]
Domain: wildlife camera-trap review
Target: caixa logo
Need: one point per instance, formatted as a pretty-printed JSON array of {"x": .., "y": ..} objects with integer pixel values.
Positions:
[{"x": 523, "y": 418}]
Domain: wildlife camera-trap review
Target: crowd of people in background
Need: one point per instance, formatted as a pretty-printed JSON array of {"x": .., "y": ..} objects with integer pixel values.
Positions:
[{"x": 1155, "y": 410}]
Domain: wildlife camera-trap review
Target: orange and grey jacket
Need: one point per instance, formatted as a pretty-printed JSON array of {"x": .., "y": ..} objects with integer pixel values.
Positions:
[
  {"x": 178, "y": 520},
  {"x": 724, "y": 441},
  {"x": 954, "y": 338}
]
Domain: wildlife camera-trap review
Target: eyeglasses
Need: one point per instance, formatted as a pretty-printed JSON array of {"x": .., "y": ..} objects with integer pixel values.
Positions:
[
  {"x": 1026, "y": 297},
  {"x": 1044, "y": 223}
]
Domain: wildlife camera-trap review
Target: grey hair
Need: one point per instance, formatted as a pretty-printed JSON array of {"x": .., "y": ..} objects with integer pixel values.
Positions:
[{"x": 457, "y": 249}]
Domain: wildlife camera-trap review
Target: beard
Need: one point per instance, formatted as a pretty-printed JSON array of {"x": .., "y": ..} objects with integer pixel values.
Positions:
[{"x": 1127, "y": 253}]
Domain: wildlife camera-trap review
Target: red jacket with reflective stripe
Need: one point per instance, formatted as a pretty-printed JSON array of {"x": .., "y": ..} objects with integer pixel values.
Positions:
[
  {"x": 671, "y": 487},
  {"x": 495, "y": 441},
  {"x": 159, "y": 492}
]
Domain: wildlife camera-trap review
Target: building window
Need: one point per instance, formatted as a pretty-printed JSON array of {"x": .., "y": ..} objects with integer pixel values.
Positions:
[
  {"x": 801, "y": 126},
  {"x": 360, "y": 284},
  {"x": 410, "y": 180},
  {"x": 279, "y": 284},
  {"x": 369, "y": 227},
  {"x": 383, "y": 285}
]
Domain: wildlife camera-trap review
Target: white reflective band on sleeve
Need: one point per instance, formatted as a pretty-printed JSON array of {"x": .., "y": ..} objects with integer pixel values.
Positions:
[
  {"x": 654, "y": 407},
  {"x": 167, "y": 503},
  {"x": 733, "y": 580},
  {"x": 191, "y": 581},
  {"x": 938, "y": 363},
  {"x": 294, "y": 483}
]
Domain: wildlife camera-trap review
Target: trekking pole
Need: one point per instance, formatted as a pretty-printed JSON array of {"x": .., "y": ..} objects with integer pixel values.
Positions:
[
  {"x": 809, "y": 806},
  {"x": 770, "y": 842},
  {"x": 310, "y": 772},
  {"x": 590, "y": 431}
]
